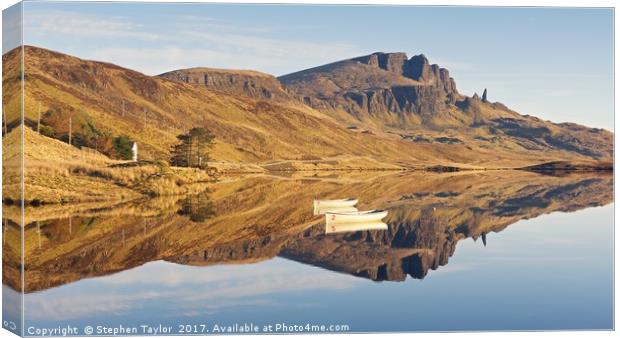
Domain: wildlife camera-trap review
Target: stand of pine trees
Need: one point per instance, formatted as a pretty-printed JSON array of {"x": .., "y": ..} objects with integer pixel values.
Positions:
[{"x": 193, "y": 148}]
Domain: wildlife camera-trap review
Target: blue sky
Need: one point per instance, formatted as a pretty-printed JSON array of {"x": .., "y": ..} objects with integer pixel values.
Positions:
[{"x": 549, "y": 62}]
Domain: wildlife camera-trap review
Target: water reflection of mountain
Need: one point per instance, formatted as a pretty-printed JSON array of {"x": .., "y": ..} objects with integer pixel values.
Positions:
[{"x": 253, "y": 219}]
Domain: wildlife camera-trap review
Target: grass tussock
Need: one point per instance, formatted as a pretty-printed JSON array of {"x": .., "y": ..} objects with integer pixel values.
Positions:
[{"x": 120, "y": 176}]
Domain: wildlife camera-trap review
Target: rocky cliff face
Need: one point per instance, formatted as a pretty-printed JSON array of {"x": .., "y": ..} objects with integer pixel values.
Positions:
[
  {"x": 250, "y": 84},
  {"x": 389, "y": 91},
  {"x": 376, "y": 84}
]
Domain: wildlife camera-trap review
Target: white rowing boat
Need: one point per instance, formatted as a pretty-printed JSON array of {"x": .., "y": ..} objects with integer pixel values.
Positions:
[
  {"x": 355, "y": 212},
  {"x": 358, "y": 217},
  {"x": 352, "y": 227},
  {"x": 338, "y": 210},
  {"x": 350, "y": 202}
]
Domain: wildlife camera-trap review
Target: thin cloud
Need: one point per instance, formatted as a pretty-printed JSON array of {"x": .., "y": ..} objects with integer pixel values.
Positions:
[
  {"x": 81, "y": 25},
  {"x": 190, "y": 42},
  {"x": 193, "y": 22},
  {"x": 160, "y": 59},
  {"x": 273, "y": 47}
]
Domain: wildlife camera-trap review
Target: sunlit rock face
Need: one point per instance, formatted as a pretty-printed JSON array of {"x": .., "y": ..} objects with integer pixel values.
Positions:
[
  {"x": 376, "y": 84},
  {"x": 390, "y": 91},
  {"x": 247, "y": 83}
]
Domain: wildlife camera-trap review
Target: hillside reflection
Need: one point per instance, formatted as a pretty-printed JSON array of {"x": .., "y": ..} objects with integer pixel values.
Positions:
[{"x": 244, "y": 220}]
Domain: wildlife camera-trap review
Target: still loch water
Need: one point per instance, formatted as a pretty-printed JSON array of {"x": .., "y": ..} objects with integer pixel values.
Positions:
[{"x": 460, "y": 253}]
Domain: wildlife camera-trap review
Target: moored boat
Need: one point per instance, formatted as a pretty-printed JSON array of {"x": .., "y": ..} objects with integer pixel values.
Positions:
[
  {"x": 350, "y": 202},
  {"x": 337, "y": 210}
]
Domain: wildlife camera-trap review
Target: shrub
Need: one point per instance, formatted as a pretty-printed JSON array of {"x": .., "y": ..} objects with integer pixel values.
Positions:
[
  {"x": 47, "y": 131},
  {"x": 122, "y": 146}
]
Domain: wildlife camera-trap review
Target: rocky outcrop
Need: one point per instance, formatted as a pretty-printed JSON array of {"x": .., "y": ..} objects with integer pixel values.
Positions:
[
  {"x": 391, "y": 62},
  {"x": 391, "y": 91},
  {"x": 250, "y": 84},
  {"x": 417, "y": 68},
  {"x": 377, "y": 84},
  {"x": 471, "y": 105}
]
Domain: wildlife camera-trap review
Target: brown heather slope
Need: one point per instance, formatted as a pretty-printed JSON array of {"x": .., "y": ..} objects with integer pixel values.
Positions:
[
  {"x": 156, "y": 110},
  {"x": 420, "y": 102},
  {"x": 277, "y": 134}
]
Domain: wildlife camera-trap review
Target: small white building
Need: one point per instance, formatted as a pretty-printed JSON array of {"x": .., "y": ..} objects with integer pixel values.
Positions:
[{"x": 134, "y": 152}]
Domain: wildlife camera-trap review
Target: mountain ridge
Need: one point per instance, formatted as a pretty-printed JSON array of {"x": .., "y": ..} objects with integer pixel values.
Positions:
[
  {"x": 393, "y": 92},
  {"x": 375, "y": 84},
  {"x": 249, "y": 83},
  {"x": 253, "y": 128}
]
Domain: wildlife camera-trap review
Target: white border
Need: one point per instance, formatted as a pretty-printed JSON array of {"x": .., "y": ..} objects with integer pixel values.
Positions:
[{"x": 505, "y": 3}]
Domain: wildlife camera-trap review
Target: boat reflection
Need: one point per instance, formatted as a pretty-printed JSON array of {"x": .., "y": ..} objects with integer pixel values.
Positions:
[
  {"x": 361, "y": 217},
  {"x": 353, "y": 227},
  {"x": 343, "y": 212}
]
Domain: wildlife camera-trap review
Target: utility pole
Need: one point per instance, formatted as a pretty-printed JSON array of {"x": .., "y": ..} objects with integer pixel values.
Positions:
[
  {"x": 145, "y": 129},
  {"x": 39, "y": 233},
  {"x": 69, "y": 130},
  {"x": 6, "y": 129},
  {"x": 39, "y": 120},
  {"x": 188, "y": 152}
]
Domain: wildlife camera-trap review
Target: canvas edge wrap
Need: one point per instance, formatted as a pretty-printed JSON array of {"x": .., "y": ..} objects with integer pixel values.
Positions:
[{"x": 13, "y": 168}]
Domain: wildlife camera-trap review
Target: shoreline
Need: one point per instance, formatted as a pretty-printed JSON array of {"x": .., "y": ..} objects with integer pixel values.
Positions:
[{"x": 541, "y": 169}]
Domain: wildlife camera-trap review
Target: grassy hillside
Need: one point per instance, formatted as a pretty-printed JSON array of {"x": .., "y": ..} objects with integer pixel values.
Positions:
[
  {"x": 55, "y": 172},
  {"x": 153, "y": 111},
  {"x": 105, "y": 99}
]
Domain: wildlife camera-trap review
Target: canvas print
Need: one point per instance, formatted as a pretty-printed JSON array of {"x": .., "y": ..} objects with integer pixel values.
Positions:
[{"x": 209, "y": 168}]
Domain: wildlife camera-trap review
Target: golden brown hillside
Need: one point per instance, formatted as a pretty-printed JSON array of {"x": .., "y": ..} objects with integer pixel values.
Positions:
[
  {"x": 153, "y": 111},
  {"x": 105, "y": 99},
  {"x": 55, "y": 172}
]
